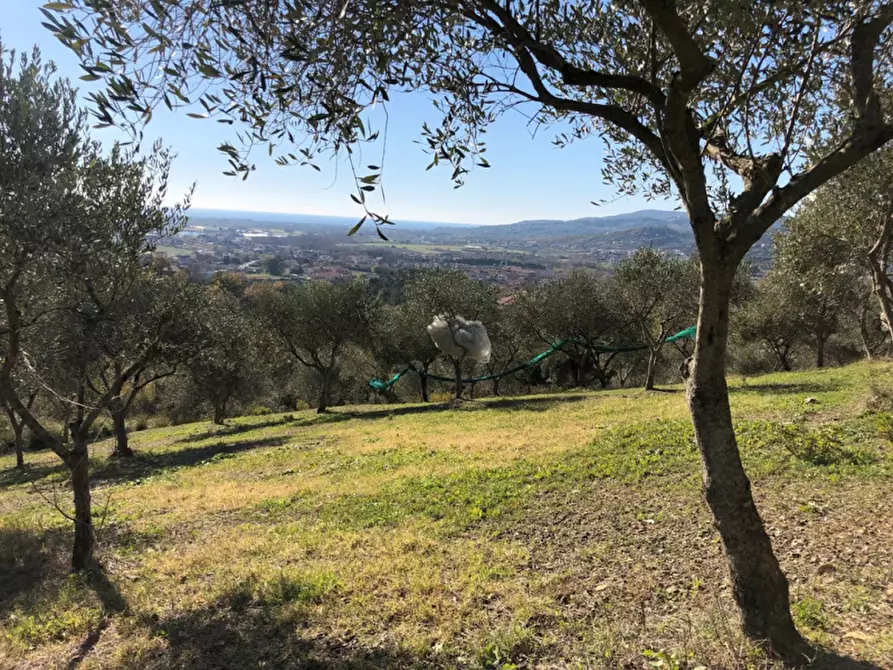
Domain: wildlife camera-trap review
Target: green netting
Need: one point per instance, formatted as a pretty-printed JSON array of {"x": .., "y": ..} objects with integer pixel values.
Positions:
[{"x": 379, "y": 385}]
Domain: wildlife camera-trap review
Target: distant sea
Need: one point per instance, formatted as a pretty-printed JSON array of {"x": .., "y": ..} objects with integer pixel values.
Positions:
[{"x": 264, "y": 219}]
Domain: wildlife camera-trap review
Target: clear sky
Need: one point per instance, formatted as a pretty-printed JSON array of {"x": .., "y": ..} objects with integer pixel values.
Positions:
[{"x": 530, "y": 179}]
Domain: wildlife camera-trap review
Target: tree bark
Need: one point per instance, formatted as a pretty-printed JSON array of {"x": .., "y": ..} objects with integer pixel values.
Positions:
[
  {"x": 423, "y": 383},
  {"x": 17, "y": 429},
  {"x": 496, "y": 387},
  {"x": 652, "y": 364},
  {"x": 119, "y": 421},
  {"x": 457, "y": 370},
  {"x": 758, "y": 584},
  {"x": 323, "y": 403},
  {"x": 220, "y": 413},
  {"x": 78, "y": 462},
  {"x": 863, "y": 332},
  {"x": 118, "y": 409},
  {"x": 820, "y": 352},
  {"x": 782, "y": 352}
]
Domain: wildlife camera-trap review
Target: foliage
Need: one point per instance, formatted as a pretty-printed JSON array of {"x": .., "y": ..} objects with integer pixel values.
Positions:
[
  {"x": 313, "y": 322},
  {"x": 228, "y": 367}
]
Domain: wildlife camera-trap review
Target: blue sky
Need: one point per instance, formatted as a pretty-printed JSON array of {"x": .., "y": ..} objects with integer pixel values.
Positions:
[{"x": 530, "y": 179}]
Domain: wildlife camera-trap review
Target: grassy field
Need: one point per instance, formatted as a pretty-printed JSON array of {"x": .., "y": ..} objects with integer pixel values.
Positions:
[{"x": 562, "y": 531}]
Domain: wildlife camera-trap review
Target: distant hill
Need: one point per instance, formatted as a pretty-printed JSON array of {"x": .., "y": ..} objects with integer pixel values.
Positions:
[{"x": 553, "y": 228}]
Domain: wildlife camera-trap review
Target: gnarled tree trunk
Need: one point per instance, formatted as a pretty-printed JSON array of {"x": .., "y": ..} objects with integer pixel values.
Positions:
[
  {"x": 758, "y": 584},
  {"x": 19, "y": 444},
  {"x": 18, "y": 427}
]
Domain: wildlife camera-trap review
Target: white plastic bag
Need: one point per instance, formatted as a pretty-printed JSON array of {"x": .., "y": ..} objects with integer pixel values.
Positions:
[{"x": 460, "y": 337}]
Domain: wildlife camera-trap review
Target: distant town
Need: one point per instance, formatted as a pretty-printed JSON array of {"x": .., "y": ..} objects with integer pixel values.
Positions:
[{"x": 265, "y": 247}]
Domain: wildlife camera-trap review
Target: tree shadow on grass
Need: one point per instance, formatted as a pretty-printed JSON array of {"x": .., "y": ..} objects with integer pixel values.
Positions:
[
  {"x": 793, "y": 388},
  {"x": 240, "y": 632},
  {"x": 536, "y": 404},
  {"x": 147, "y": 463},
  {"x": 827, "y": 659},
  {"x": 233, "y": 429},
  {"x": 32, "y": 472},
  {"x": 113, "y": 604},
  {"x": 28, "y": 560},
  {"x": 143, "y": 463}
]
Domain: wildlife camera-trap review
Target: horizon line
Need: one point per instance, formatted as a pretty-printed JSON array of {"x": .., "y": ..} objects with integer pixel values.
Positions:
[{"x": 428, "y": 221}]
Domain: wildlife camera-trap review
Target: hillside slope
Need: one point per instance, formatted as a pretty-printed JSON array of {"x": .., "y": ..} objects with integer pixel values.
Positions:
[{"x": 544, "y": 532}]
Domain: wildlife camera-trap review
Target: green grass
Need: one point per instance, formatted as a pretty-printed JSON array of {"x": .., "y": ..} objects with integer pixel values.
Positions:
[{"x": 550, "y": 531}]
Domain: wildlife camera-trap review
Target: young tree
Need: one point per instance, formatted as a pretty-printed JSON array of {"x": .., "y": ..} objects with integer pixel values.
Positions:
[
  {"x": 314, "y": 322},
  {"x": 715, "y": 105},
  {"x": 73, "y": 226},
  {"x": 659, "y": 298}
]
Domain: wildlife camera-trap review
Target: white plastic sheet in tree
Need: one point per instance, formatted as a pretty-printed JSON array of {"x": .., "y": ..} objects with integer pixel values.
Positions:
[{"x": 458, "y": 337}]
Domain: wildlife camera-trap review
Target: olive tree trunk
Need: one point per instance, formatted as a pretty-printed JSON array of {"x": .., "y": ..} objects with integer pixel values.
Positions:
[
  {"x": 423, "y": 383},
  {"x": 457, "y": 370},
  {"x": 220, "y": 412},
  {"x": 652, "y": 366},
  {"x": 323, "y": 404},
  {"x": 118, "y": 410},
  {"x": 820, "y": 351},
  {"x": 758, "y": 584},
  {"x": 18, "y": 427},
  {"x": 78, "y": 462}
]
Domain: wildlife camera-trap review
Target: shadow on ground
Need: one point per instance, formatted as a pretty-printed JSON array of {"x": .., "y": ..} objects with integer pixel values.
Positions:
[
  {"x": 233, "y": 429},
  {"x": 829, "y": 660},
  {"x": 232, "y": 634},
  {"x": 32, "y": 472},
  {"x": 147, "y": 463},
  {"x": 792, "y": 388},
  {"x": 337, "y": 414},
  {"x": 28, "y": 561},
  {"x": 143, "y": 463},
  {"x": 537, "y": 404}
]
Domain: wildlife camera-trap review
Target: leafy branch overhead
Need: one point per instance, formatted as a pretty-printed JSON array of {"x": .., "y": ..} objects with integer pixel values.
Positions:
[{"x": 674, "y": 89}]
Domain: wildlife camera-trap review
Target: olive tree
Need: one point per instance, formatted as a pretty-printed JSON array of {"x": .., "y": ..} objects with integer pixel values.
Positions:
[
  {"x": 659, "y": 296},
  {"x": 715, "y": 105},
  {"x": 850, "y": 220},
  {"x": 314, "y": 323},
  {"x": 580, "y": 307},
  {"x": 74, "y": 224},
  {"x": 429, "y": 292},
  {"x": 226, "y": 367},
  {"x": 162, "y": 306},
  {"x": 818, "y": 282}
]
